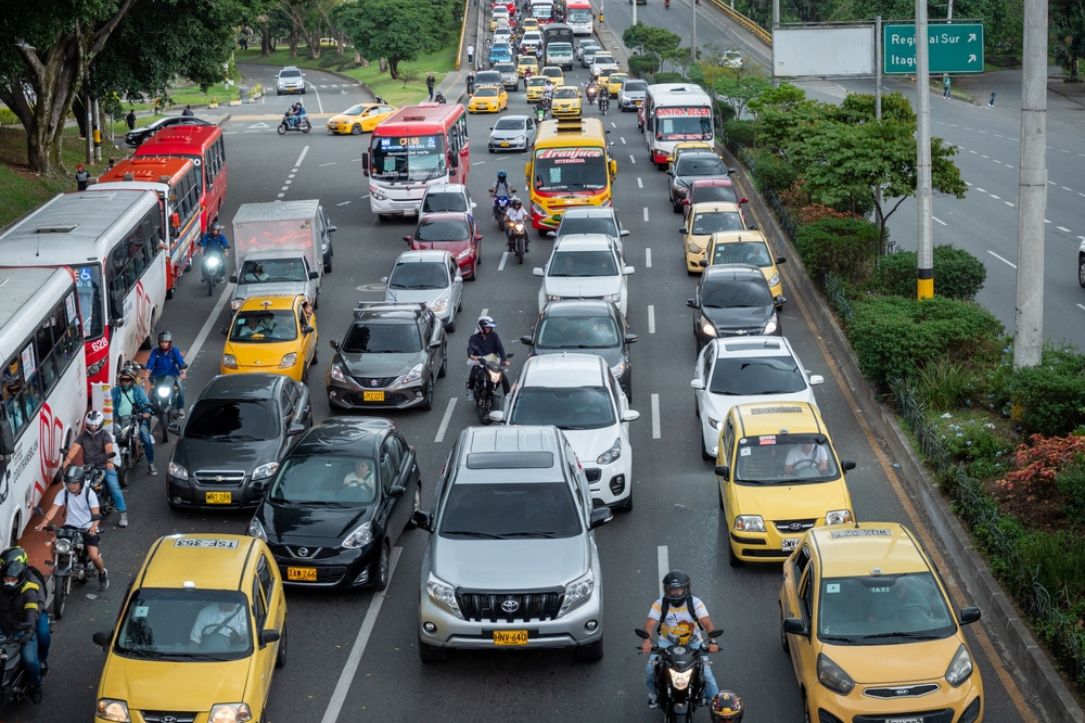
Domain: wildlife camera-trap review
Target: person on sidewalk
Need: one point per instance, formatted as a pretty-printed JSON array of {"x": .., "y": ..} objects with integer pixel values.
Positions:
[
  {"x": 430, "y": 83},
  {"x": 991, "y": 102},
  {"x": 471, "y": 54},
  {"x": 187, "y": 112},
  {"x": 82, "y": 178},
  {"x": 947, "y": 84},
  {"x": 130, "y": 119}
]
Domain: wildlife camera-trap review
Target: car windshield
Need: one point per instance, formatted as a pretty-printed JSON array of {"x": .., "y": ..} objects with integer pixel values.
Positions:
[
  {"x": 683, "y": 123},
  {"x": 572, "y": 223},
  {"x": 487, "y": 77},
  {"x": 733, "y": 293},
  {"x": 185, "y": 624},
  {"x": 883, "y": 610},
  {"x": 510, "y": 510},
  {"x": 570, "y": 169},
  {"x": 563, "y": 407},
  {"x": 383, "y": 339},
  {"x": 325, "y": 481},
  {"x": 552, "y": 72},
  {"x": 566, "y": 92},
  {"x": 430, "y": 275},
  {"x": 536, "y": 81},
  {"x": 273, "y": 271},
  {"x": 604, "y": 59},
  {"x": 745, "y": 376},
  {"x": 505, "y": 68},
  {"x": 701, "y": 165},
  {"x": 445, "y": 201},
  {"x": 233, "y": 420},
  {"x": 290, "y": 73},
  {"x": 714, "y": 192},
  {"x": 785, "y": 459},
  {"x": 635, "y": 86},
  {"x": 713, "y": 221},
  {"x": 445, "y": 229},
  {"x": 510, "y": 124},
  {"x": 259, "y": 326},
  {"x": 488, "y": 92},
  {"x": 400, "y": 159},
  {"x": 754, "y": 253},
  {"x": 354, "y": 109},
  {"x": 583, "y": 263},
  {"x": 577, "y": 332}
]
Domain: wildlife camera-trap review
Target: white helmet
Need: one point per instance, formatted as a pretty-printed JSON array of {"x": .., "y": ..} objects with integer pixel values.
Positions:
[
  {"x": 486, "y": 322},
  {"x": 94, "y": 420}
]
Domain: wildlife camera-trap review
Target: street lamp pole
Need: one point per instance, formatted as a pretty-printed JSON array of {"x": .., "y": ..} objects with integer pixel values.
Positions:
[
  {"x": 924, "y": 193},
  {"x": 693, "y": 45}
]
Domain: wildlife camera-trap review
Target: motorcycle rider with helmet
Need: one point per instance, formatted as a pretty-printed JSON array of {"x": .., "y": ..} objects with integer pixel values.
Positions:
[
  {"x": 82, "y": 510},
  {"x": 295, "y": 114},
  {"x": 214, "y": 241},
  {"x": 165, "y": 360},
  {"x": 98, "y": 449},
  {"x": 501, "y": 188},
  {"x": 129, "y": 400},
  {"x": 727, "y": 707},
  {"x": 485, "y": 343},
  {"x": 23, "y": 615},
  {"x": 682, "y": 620},
  {"x": 515, "y": 214}
]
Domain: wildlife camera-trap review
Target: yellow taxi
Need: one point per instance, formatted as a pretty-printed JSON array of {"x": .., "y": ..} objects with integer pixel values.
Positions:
[
  {"x": 525, "y": 63},
  {"x": 614, "y": 83},
  {"x": 499, "y": 16},
  {"x": 747, "y": 247},
  {"x": 271, "y": 334},
  {"x": 704, "y": 219},
  {"x": 555, "y": 75},
  {"x": 778, "y": 477},
  {"x": 202, "y": 629},
  {"x": 535, "y": 85},
  {"x": 488, "y": 99},
  {"x": 358, "y": 119},
  {"x": 566, "y": 103},
  {"x": 528, "y": 24},
  {"x": 871, "y": 630},
  {"x": 688, "y": 146}
]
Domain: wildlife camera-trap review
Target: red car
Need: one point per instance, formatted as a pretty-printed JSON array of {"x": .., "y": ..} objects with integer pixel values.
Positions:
[
  {"x": 711, "y": 189},
  {"x": 452, "y": 231}
]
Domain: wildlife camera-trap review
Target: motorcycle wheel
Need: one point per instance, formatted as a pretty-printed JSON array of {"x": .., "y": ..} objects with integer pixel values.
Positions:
[
  {"x": 163, "y": 423},
  {"x": 60, "y": 597},
  {"x": 210, "y": 280},
  {"x": 519, "y": 249},
  {"x": 281, "y": 129},
  {"x": 306, "y": 128},
  {"x": 483, "y": 405}
]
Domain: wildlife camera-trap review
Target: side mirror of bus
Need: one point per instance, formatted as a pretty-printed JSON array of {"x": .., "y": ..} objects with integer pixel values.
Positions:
[{"x": 613, "y": 167}]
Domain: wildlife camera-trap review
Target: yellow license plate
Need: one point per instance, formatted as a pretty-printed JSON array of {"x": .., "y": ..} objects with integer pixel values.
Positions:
[
  {"x": 510, "y": 637},
  {"x": 372, "y": 396},
  {"x": 301, "y": 574},
  {"x": 504, "y": 144},
  {"x": 218, "y": 498}
]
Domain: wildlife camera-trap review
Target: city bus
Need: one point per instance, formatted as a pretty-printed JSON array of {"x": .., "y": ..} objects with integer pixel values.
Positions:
[
  {"x": 43, "y": 398},
  {"x": 580, "y": 17},
  {"x": 114, "y": 244},
  {"x": 570, "y": 166},
  {"x": 415, "y": 147},
  {"x": 204, "y": 146},
  {"x": 675, "y": 112},
  {"x": 176, "y": 181}
]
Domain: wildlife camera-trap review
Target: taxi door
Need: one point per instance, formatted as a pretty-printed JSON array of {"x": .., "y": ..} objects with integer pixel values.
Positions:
[
  {"x": 799, "y": 581},
  {"x": 308, "y": 339},
  {"x": 265, "y": 610}
]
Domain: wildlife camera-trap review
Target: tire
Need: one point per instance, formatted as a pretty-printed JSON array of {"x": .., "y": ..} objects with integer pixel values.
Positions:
[
  {"x": 163, "y": 423},
  {"x": 520, "y": 250},
  {"x": 705, "y": 454},
  {"x": 210, "y": 286},
  {"x": 590, "y": 653},
  {"x": 627, "y": 505},
  {"x": 327, "y": 269},
  {"x": 732, "y": 558},
  {"x": 306, "y": 128},
  {"x": 356, "y": 130},
  {"x": 281, "y": 129},
  {"x": 427, "y": 397},
  {"x": 805, "y": 709},
  {"x": 482, "y": 410},
  {"x": 431, "y": 653},
  {"x": 444, "y": 368},
  {"x": 450, "y": 327},
  {"x": 783, "y": 636},
  {"x": 416, "y": 506},
  {"x": 380, "y": 579},
  {"x": 60, "y": 597},
  {"x": 280, "y": 655}
]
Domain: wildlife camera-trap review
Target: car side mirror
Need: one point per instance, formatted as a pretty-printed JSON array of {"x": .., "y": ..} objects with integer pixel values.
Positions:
[
  {"x": 753, "y": 226},
  {"x": 422, "y": 521},
  {"x": 847, "y": 464},
  {"x": 968, "y": 615},
  {"x": 435, "y": 344},
  {"x": 722, "y": 470},
  {"x": 396, "y": 490},
  {"x": 703, "y": 263},
  {"x": 307, "y": 329},
  {"x": 631, "y": 338},
  {"x": 624, "y": 232},
  {"x": 102, "y": 639},
  {"x": 780, "y": 300},
  {"x": 670, "y": 173},
  {"x": 628, "y": 270},
  {"x": 600, "y": 516},
  {"x": 697, "y": 384},
  {"x": 314, "y": 274},
  {"x": 527, "y": 339},
  {"x": 794, "y": 626},
  {"x": 174, "y": 428},
  {"x": 781, "y": 259},
  {"x": 296, "y": 429},
  {"x": 334, "y": 344},
  {"x": 496, "y": 416},
  {"x": 332, "y": 229},
  {"x": 269, "y": 636},
  {"x": 685, "y": 202},
  {"x": 682, "y": 229},
  {"x": 408, "y": 239},
  {"x": 224, "y": 331},
  {"x": 630, "y": 415},
  {"x": 365, "y": 163},
  {"x": 233, "y": 278},
  {"x": 816, "y": 379},
  {"x": 537, "y": 271},
  {"x": 478, "y": 237},
  {"x": 743, "y": 200},
  {"x": 691, "y": 303}
]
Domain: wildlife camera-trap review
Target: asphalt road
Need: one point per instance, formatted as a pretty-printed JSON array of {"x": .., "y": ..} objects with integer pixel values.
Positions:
[{"x": 676, "y": 521}]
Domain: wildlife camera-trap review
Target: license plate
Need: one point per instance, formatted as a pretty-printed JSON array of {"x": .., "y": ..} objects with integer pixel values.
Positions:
[
  {"x": 301, "y": 574},
  {"x": 218, "y": 498},
  {"x": 372, "y": 396},
  {"x": 510, "y": 637},
  {"x": 789, "y": 544},
  {"x": 912, "y": 719},
  {"x": 504, "y": 144}
]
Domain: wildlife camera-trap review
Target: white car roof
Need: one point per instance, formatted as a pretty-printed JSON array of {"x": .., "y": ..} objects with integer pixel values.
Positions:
[
  {"x": 752, "y": 346},
  {"x": 566, "y": 370},
  {"x": 429, "y": 256},
  {"x": 585, "y": 242}
]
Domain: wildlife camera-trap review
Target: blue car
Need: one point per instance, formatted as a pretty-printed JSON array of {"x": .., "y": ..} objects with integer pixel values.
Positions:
[{"x": 500, "y": 53}]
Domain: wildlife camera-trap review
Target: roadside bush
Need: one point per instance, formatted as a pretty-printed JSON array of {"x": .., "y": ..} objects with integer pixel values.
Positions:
[
  {"x": 957, "y": 273},
  {"x": 894, "y": 338},
  {"x": 668, "y": 77},
  {"x": 843, "y": 247},
  {"x": 1070, "y": 481},
  {"x": 724, "y": 112},
  {"x": 1049, "y": 399},
  {"x": 983, "y": 444},
  {"x": 8, "y": 117},
  {"x": 771, "y": 172},
  {"x": 742, "y": 132},
  {"x": 947, "y": 384},
  {"x": 642, "y": 65}
]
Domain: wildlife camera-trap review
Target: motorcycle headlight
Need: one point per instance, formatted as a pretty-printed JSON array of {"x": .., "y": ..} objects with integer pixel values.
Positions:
[
  {"x": 749, "y": 523},
  {"x": 229, "y": 361},
  {"x": 212, "y": 262},
  {"x": 113, "y": 710},
  {"x": 443, "y": 593},
  {"x": 176, "y": 470},
  {"x": 440, "y": 306},
  {"x": 577, "y": 592},
  {"x": 162, "y": 391},
  {"x": 519, "y": 227},
  {"x": 256, "y": 529},
  {"x": 359, "y": 537},
  {"x": 832, "y": 676},
  {"x": 288, "y": 360},
  {"x": 230, "y": 713},
  {"x": 62, "y": 545},
  {"x": 340, "y": 375},
  {"x": 707, "y": 327},
  {"x": 837, "y": 517},
  {"x": 960, "y": 668},
  {"x": 265, "y": 470},
  {"x": 774, "y": 279},
  {"x": 612, "y": 454},
  {"x": 680, "y": 680},
  {"x": 410, "y": 377},
  {"x": 770, "y": 327}
]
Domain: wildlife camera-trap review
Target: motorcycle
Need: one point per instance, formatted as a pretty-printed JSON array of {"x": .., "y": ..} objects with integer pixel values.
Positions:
[
  {"x": 501, "y": 205},
  {"x": 604, "y": 104},
  {"x": 13, "y": 683},
  {"x": 679, "y": 678},
  {"x": 540, "y": 114},
  {"x": 301, "y": 124},
  {"x": 70, "y": 562},
  {"x": 591, "y": 92},
  {"x": 666, "y": 4},
  {"x": 214, "y": 269},
  {"x": 163, "y": 403},
  {"x": 488, "y": 394},
  {"x": 129, "y": 444},
  {"x": 517, "y": 235}
]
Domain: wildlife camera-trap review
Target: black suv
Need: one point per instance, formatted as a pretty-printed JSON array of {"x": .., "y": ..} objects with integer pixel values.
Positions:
[
  {"x": 390, "y": 358},
  {"x": 733, "y": 300},
  {"x": 692, "y": 166}
]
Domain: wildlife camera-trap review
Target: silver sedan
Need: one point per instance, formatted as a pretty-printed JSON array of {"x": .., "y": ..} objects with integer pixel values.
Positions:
[{"x": 511, "y": 133}]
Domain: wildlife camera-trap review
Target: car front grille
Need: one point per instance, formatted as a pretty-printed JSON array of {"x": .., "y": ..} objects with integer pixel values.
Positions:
[
  {"x": 793, "y": 527},
  {"x": 301, "y": 552},
  {"x": 231, "y": 477},
  {"x": 902, "y": 691},
  {"x": 510, "y": 607},
  {"x": 375, "y": 382},
  {"x": 162, "y": 716},
  {"x": 927, "y": 716},
  {"x": 593, "y": 474},
  {"x": 751, "y": 331}
]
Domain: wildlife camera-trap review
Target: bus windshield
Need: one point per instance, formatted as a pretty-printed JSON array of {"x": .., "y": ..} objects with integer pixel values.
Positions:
[
  {"x": 684, "y": 124},
  {"x": 408, "y": 158},
  {"x": 579, "y": 15},
  {"x": 570, "y": 169},
  {"x": 88, "y": 284}
]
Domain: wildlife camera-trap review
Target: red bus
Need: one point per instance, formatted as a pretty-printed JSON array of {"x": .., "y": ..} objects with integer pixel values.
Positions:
[
  {"x": 176, "y": 181},
  {"x": 204, "y": 146},
  {"x": 415, "y": 147}
]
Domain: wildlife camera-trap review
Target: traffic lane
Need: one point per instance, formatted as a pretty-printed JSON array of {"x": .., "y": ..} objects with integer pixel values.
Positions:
[{"x": 325, "y": 91}]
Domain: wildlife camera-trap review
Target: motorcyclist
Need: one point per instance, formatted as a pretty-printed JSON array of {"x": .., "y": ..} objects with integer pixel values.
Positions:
[
  {"x": 485, "y": 343},
  {"x": 23, "y": 615},
  {"x": 98, "y": 449},
  {"x": 501, "y": 188},
  {"x": 214, "y": 241},
  {"x": 604, "y": 97},
  {"x": 82, "y": 511},
  {"x": 166, "y": 361},
  {"x": 682, "y": 619},
  {"x": 295, "y": 114},
  {"x": 548, "y": 93},
  {"x": 515, "y": 213},
  {"x": 727, "y": 707},
  {"x": 129, "y": 400}
]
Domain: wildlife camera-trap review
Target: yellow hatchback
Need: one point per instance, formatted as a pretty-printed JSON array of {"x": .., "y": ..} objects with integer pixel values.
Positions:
[
  {"x": 358, "y": 119},
  {"x": 566, "y": 103},
  {"x": 488, "y": 99},
  {"x": 778, "y": 477},
  {"x": 271, "y": 334},
  {"x": 201, "y": 631},
  {"x": 703, "y": 220},
  {"x": 747, "y": 247},
  {"x": 614, "y": 83},
  {"x": 555, "y": 75},
  {"x": 529, "y": 24},
  {"x": 535, "y": 86},
  {"x": 871, "y": 630},
  {"x": 525, "y": 63}
]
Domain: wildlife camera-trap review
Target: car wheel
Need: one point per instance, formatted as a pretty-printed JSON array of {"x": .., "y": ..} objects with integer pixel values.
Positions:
[
  {"x": 380, "y": 579},
  {"x": 356, "y": 130},
  {"x": 280, "y": 656},
  {"x": 431, "y": 653},
  {"x": 427, "y": 397},
  {"x": 416, "y": 506},
  {"x": 627, "y": 504},
  {"x": 444, "y": 368},
  {"x": 1081, "y": 271},
  {"x": 590, "y": 653},
  {"x": 805, "y": 709},
  {"x": 705, "y": 454},
  {"x": 783, "y": 636},
  {"x": 450, "y": 327}
]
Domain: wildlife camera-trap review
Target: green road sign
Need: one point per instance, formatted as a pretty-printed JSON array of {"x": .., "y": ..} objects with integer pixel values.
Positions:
[{"x": 954, "y": 48}]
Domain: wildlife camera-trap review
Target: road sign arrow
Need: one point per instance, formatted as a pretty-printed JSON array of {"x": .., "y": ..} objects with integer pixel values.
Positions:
[
  {"x": 972, "y": 58},
  {"x": 971, "y": 37}
]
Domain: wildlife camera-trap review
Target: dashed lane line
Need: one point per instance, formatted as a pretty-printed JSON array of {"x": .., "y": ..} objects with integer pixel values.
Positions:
[
  {"x": 1004, "y": 260},
  {"x": 655, "y": 416},
  {"x": 440, "y": 436},
  {"x": 651, "y": 319},
  {"x": 646, "y": 214},
  {"x": 647, "y": 258},
  {"x": 504, "y": 258},
  {"x": 640, "y": 183},
  {"x": 939, "y": 220}
]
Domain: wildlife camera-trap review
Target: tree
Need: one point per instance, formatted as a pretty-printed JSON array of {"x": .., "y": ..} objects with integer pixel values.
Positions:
[
  {"x": 737, "y": 86},
  {"x": 650, "y": 40},
  {"x": 367, "y": 23},
  {"x": 1067, "y": 22}
]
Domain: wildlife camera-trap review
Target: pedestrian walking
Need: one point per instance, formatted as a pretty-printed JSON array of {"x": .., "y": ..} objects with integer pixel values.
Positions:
[
  {"x": 430, "y": 82},
  {"x": 991, "y": 102},
  {"x": 947, "y": 84},
  {"x": 109, "y": 166},
  {"x": 81, "y": 177},
  {"x": 130, "y": 119},
  {"x": 471, "y": 55},
  {"x": 187, "y": 112}
]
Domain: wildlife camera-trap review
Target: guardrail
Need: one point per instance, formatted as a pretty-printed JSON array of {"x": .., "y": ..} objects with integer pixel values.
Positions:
[
  {"x": 763, "y": 35},
  {"x": 463, "y": 32}
]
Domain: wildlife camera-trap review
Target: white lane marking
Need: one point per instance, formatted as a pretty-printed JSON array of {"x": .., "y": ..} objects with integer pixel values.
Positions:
[
  {"x": 479, "y": 163},
  {"x": 655, "y": 416},
  {"x": 344, "y": 203},
  {"x": 346, "y": 677},
  {"x": 485, "y": 311},
  {"x": 193, "y": 351},
  {"x": 646, "y": 214},
  {"x": 997, "y": 198},
  {"x": 622, "y": 139},
  {"x": 663, "y": 560},
  {"x": 1082, "y": 238},
  {"x": 1063, "y": 229},
  {"x": 984, "y": 155},
  {"x": 1009, "y": 263},
  {"x": 332, "y": 163},
  {"x": 1081, "y": 194},
  {"x": 1065, "y": 188},
  {"x": 998, "y": 162},
  {"x": 1008, "y": 203},
  {"x": 613, "y": 124},
  {"x": 287, "y": 182},
  {"x": 939, "y": 220},
  {"x": 504, "y": 258},
  {"x": 651, "y": 319},
  {"x": 319, "y": 105},
  {"x": 974, "y": 153},
  {"x": 981, "y": 190},
  {"x": 640, "y": 183},
  {"x": 1080, "y": 306},
  {"x": 647, "y": 258},
  {"x": 1047, "y": 220},
  {"x": 968, "y": 183},
  {"x": 632, "y": 159},
  {"x": 301, "y": 156},
  {"x": 279, "y": 195},
  {"x": 1008, "y": 166},
  {"x": 445, "y": 420}
]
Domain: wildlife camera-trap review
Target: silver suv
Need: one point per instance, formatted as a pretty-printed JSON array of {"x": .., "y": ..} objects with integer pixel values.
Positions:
[
  {"x": 512, "y": 561},
  {"x": 290, "y": 80}
]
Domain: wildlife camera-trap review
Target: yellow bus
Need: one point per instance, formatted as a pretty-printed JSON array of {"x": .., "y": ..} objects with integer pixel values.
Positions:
[{"x": 570, "y": 166}]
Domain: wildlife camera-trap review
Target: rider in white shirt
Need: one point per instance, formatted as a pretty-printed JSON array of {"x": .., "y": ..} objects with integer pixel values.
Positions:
[{"x": 516, "y": 212}]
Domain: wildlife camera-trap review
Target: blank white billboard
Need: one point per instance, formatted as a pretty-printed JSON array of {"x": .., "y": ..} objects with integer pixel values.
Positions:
[{"x": 823, "y": 51}]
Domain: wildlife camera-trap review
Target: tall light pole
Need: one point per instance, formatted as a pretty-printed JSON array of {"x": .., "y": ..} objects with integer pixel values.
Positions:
[
  {"x": 923, "y": 192},
  {"x": 693, "y": 45}
]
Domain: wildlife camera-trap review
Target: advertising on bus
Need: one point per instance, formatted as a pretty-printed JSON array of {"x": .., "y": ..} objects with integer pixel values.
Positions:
[
  {"x": 570, "y": 166},
  {"x": 204, "y": 146},
  {"x": 673, "y": 113}
]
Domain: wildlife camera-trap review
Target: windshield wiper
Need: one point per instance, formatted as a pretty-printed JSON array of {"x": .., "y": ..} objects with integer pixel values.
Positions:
[
  {"x": 913, "y": 635},
  {"x": 206, "y": 656},
  {"x": 536, "y": 533},
  {"x": 474, "y": 533},
  {"x": 838, "y": 639}
]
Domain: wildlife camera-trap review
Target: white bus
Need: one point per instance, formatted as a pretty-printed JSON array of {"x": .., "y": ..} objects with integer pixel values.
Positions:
[
  {"x": 43, "y": 398},
  {"x": 673, "y": 113},
  {"x": 580, "y": 17},
  {"x": 114, "y": 243}
]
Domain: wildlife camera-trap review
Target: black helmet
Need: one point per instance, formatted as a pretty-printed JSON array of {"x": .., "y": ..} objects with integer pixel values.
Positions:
[
  {"x": 501, "y": 175},
  {"x": 129, "y": 370},
  {"x": 165, "y": 336},
  {"x": 75, "y": 475},
  {"x": 676, "y": 586},
  {"x": 14, "y": 563},
  {"x": 726, "y": 706}
]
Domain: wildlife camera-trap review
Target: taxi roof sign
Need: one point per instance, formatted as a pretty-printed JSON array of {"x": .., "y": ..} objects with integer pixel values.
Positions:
[{"x": 867, "y": 532}]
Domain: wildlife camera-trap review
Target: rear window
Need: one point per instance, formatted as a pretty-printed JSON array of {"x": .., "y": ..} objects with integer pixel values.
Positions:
[
  {"x": 444, "y": 201},
  {"x": 510, "y": 460},
  {"x": 713, "y": 193},
  {"x": 442, "y": 230}
]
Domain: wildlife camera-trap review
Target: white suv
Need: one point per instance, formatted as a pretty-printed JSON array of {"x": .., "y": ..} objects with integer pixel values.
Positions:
[
  {"x": 742, "y": 369},
  {"x": 578, "y": 395},
  {"x": 290, "y": 80},
  {"x": 585, "y": 266}
]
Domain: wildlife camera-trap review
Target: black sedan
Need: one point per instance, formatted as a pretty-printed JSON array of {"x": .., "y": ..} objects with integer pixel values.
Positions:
[
  {"x": 236, "y": 435},
  {"x": 692, "y": 166},
  {"x": 590, "y": 326},
  {"x": 339, "y": 503},
  {"x": 733, "y": 300},
  {"x": 136, "y": 136}
]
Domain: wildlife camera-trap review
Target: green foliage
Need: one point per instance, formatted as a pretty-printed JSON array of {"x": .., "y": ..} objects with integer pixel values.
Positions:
[
  {"x": 1067, "y": 23},
  {"x": 957, "y": 273},
  {"x": 8, "y": 118},
  {"x": 367, "y": 22},
  {"x": 860, "y": 108},
  {"x": 1070, "y": 481},
  {"x": 668, "y": 77},
  {"x": 946, "y": 384},
  {"x": 894, "y": 337},
  {"x": 979, "y": 441},
  {"x": 772, "y": 173},
  {"x": 1058, "y": 558},
  {"x": 738, "y": 86},
  {"x": 643, "y": 65},
  {"x": 650, "y": 40},
  {"x": 1049, "y": 399},
  {"x": 843, "y": 247},
  {"x": 782, "y": 97},
  {"x": 741, "y": 132}
]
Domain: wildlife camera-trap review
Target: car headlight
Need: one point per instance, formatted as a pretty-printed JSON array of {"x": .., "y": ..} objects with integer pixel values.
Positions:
[
  {"x": 443, "y": 593},
  {"x": 837, "y": 517},
  {"x": 113, "y": 709},
  {"x": 410, "y": 377},
  {"x": 229, "y": 361},
  {"x": 376, "y": 195},
  {"x": 749, "y": 523},
  {"x": 235, "y": 304},
  {"x": 613, "y": 297},
  {"x": 680, "y": 680},
  {"x": 230, "y": 713},
  {"x": 707, "y": 327},
  {"x": 832, "y": 676},
  {"x": 338, "y": 374},
  {"x": 256, "y": 529},
  {"x": 289, "y": 360},
  {"x": 440, "y": 306},
  {"x": 773, "y": 323},
  {"x": 612, "y": 454},
  {"x": 694, "y": 248},
  {"x": 960, "y": 668},
  {"x": 265, "y": 470},
  {"x": 360, "y": 536},
  {"x": 176, "y": 470},
  {"x": 577, "y": 592},
  {"x": 62, "y": 545},
  {"x": 618, "y": 369},
  {"x": 774, "y": 279}
]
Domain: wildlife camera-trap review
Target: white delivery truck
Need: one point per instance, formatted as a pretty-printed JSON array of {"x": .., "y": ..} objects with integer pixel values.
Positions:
[{"x": 280, "y": 248}]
